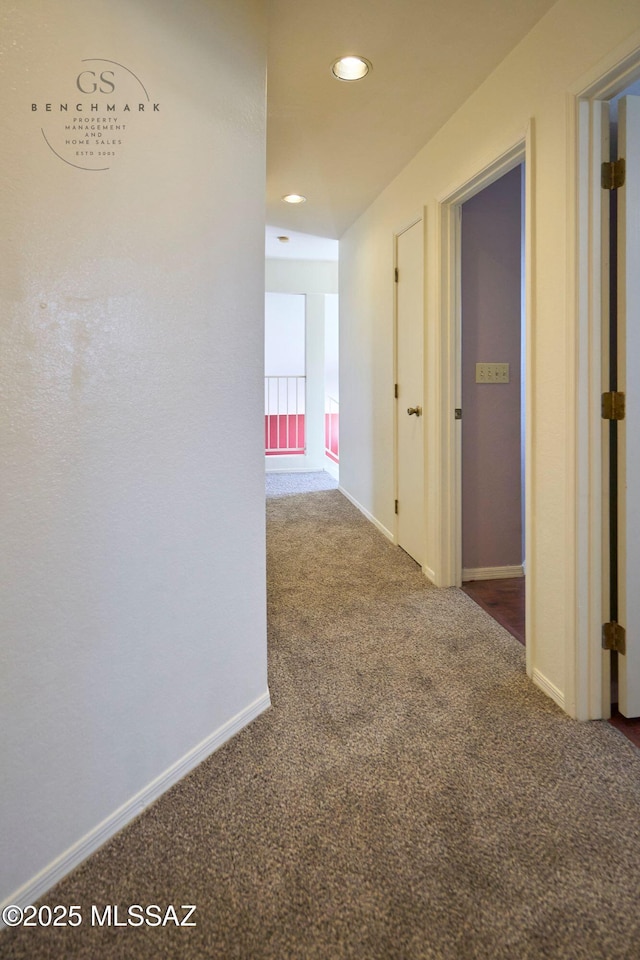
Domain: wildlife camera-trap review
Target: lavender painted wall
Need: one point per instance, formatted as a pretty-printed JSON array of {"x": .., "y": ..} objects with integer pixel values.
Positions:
[{"x": 491, "y": 332}]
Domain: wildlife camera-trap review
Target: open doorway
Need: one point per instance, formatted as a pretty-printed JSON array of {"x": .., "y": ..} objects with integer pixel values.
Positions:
[{"x": 492, "y": 326}]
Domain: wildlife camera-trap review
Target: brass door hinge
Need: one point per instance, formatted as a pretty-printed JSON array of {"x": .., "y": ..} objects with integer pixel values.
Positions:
[
  {"x": 396, "y": 274},
  {"x": 395, "y": 390},
  {"x": 613, "y": 405},
  {"x": 614, "y": 637},
  {"x": 396, "y": 506},
  {"x": 458, "y": 413},
  {"x": 613, "y": 172}
]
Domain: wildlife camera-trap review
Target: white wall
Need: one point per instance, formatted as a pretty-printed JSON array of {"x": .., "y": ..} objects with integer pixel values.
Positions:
[
  {"x": 532, "y": 82},
  {"x": 301, "y": 276},
  {"x": 284, "y": 335},
  {"x": 132, "y": 582},
  {"x": 315, "y": 279},
  {"x": 332, "y": 346}
]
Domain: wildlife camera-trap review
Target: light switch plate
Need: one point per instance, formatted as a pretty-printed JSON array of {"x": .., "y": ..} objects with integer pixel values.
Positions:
[{"x": 492, "y": 373}]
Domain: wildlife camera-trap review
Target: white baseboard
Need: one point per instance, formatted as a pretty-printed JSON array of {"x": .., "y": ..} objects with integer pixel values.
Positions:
[
  {"x": 269, "y": 469},
  {"x": 429, "y": 574},
  {"x": 549, "y": 688},
  {"x": 369, "y": 516},
  {"x": 332, "y": 468},
  {"x": 492, "y": 573},
  {"x": 71, "y": 858}
]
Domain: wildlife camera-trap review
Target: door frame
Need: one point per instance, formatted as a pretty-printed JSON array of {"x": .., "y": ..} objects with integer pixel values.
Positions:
[
  {"x": 449, "y": 229},
  {"x": 588, "y": 669},
  {"x": 420, "y": 216}
]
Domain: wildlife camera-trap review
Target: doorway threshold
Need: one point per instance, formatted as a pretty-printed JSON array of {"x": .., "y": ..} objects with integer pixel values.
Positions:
[
  {"x": 504, "y": 600},
  {"x": 630, "y": 728}
]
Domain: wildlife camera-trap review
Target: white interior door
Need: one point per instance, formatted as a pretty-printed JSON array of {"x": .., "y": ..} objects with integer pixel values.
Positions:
[
  {"x": 629, "y": 383},
  {"x": 410, "y": 393}
]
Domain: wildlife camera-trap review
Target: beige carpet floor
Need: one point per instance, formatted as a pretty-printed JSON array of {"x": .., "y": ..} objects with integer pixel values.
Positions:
[{"x": 409, "y": 796}]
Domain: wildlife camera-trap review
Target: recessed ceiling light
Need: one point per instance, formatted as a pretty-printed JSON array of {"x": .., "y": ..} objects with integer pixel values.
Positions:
[
  {"x": 350, "y": 68},
  {"x": 294, "y": 198},
  {"x": 283, "y": 239}
]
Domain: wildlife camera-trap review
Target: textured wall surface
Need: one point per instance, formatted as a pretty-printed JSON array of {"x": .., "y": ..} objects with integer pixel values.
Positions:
[{"x": 132, "y": 597}]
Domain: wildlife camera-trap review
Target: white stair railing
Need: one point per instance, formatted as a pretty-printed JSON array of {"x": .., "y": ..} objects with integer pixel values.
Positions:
[{"x": 284, "y": 404}]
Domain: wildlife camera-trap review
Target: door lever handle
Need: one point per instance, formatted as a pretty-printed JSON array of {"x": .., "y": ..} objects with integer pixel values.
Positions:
[{"x": 416, "y": 410}]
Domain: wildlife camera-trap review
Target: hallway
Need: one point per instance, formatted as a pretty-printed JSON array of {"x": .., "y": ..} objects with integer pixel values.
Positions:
[{"x": 409, "y": 795}]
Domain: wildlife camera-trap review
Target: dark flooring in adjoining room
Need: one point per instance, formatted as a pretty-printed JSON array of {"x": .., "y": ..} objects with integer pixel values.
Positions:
[
  {"x": 630, "y": 728},
  {"x": 410, "y": 795},
  {"x": 503, "y": 599}
]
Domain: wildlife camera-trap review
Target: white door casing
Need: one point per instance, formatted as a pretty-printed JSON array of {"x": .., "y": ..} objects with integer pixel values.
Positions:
[
  {"x": 629, "y": 384},
  {"x": 410, "y": 490},
  {"x": 588, "y": 686}
]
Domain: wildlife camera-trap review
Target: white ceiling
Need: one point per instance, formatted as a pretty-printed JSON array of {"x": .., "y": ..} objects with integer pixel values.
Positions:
[
  {"x": 339, "y": 144},
  {"x": 298, "y": 246}
]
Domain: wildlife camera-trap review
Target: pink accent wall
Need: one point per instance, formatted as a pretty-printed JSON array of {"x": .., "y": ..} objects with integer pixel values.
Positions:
[
  {"x": 284, "y": 434},
  {"x": 491, "y": 333}
]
